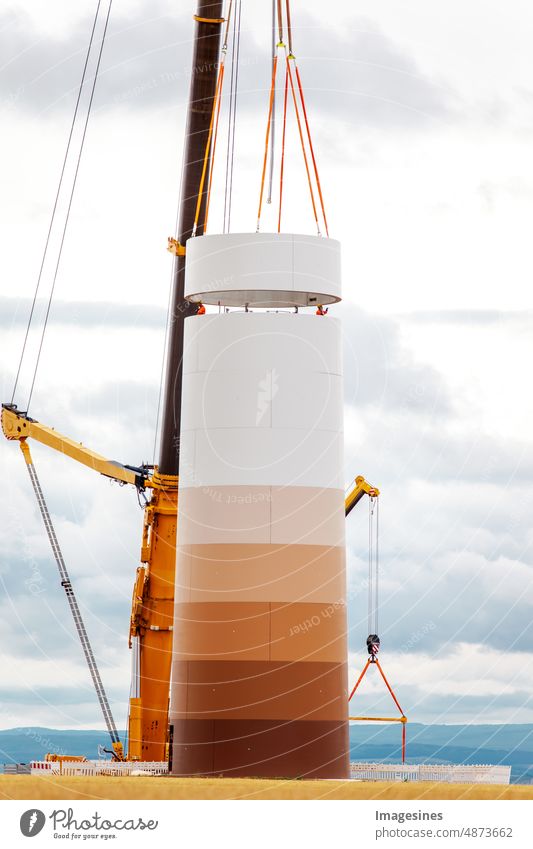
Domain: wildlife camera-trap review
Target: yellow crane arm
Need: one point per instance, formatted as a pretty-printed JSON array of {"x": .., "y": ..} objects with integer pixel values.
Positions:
[
  {"x": 18, "y": 426},
  {"x": 361, "y": 487}
]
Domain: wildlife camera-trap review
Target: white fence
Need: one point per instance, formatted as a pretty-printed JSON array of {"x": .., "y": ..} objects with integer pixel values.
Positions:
[
  {"x": 454, "y": 774},
  {"x": 99, "y": 768},
  {"x": 451, "y": 773}
]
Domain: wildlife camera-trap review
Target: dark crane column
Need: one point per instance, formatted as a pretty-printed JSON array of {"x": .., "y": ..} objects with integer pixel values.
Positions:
[{"x": 203, "y": 83}]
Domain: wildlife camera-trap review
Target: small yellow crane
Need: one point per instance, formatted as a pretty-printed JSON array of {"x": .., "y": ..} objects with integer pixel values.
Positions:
[{"x": 361, "y": 487}]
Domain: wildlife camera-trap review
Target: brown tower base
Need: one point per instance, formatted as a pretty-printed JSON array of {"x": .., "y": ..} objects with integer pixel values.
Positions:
[
  {"x": 259, "y": 719},
  {"x": 260, "y": 748}
]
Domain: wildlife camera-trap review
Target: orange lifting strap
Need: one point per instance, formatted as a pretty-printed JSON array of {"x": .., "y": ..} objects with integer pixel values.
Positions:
[
  {"x": 208, "y": 200},
  {"x": 298, "y": 101},
  {"x": 297, "y": 96},
  {"x": 267, "y": 136},
  {"x": 298, "y": 121},
  {"x": 282, "y": 165},
  {"x": 402, "y": 718},
  {"x": 319, "y": 187},
  {"x": 208, "y": 147}
]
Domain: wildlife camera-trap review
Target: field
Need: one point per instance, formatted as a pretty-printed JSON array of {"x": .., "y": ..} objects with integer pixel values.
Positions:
[{"x": 57, "y": 787}]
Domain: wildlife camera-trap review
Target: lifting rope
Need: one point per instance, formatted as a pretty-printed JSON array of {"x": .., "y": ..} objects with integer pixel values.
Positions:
[{"x": 56, "y": 200}]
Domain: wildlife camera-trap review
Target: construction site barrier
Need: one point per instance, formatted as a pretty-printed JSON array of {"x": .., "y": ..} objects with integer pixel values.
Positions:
[
  {"x": 16, "y": 769},
  {"x": 44, "y": 767},
  {"x": 99, "y": 767},
  {"x": 450, "y": 773}
]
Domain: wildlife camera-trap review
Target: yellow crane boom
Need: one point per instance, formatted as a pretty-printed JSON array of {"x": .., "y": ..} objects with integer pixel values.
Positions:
[
  {"x": 17, "y": 425},
  {"x": 360, "y": 487}
]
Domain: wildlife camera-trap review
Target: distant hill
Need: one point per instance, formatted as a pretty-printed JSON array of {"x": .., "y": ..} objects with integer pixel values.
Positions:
[
  {"x": 21, "y": 745},
  {"x": 470, "y": 744}
]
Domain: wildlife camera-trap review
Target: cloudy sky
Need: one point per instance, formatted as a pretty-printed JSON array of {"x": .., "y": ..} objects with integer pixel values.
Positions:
[{"x": 423, "y": 121}]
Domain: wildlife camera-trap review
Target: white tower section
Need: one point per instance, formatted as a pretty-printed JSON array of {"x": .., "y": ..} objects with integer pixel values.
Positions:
[{"x": 263, "y": 270}]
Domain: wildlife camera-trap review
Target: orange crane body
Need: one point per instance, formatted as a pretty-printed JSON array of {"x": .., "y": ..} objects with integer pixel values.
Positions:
[{"x": 152, "y": 615}]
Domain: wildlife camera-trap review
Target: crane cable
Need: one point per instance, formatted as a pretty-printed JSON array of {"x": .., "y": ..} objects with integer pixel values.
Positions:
[
  {"x": 224, "y": 51},
  {"x": 273, "y": 123},
  {"x": 43, "y": 508},
  {"x": 213, "y": 125},
  {"x": 271, "y": 102},
  {"x": 373, "y": 565},
  {"x": 232, "y": 114},
  {"x": 56, "y": 200},
  {"x": 237, "y": 57},
  {"x": 71, "y": 197}
]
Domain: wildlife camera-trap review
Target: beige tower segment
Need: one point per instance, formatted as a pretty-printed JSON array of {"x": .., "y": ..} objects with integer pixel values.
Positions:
[{"x": 259, "y": 680}]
